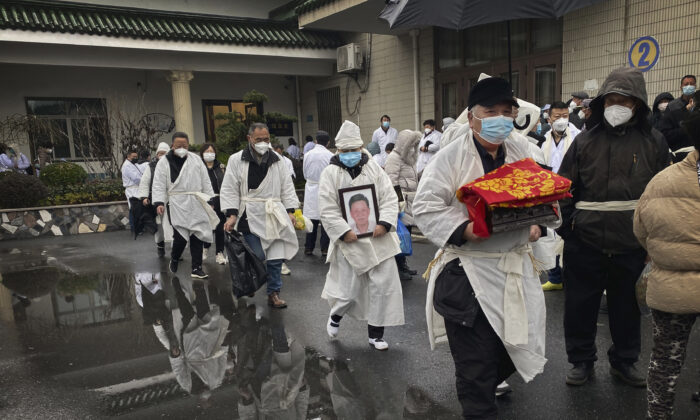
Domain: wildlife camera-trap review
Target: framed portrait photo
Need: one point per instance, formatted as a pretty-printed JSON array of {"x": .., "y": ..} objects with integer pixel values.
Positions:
[{"x": 360, "y": 209}]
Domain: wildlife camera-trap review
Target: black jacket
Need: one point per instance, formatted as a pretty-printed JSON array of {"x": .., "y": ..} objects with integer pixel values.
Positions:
[
  {"x": 611, "y": 164},
  {"x": 656, "y": 115},
  {"x": 216, "y": 177},
  {"x": 671, "y": 122}
]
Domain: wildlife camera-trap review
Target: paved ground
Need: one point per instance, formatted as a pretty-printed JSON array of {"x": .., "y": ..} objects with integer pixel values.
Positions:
[{"x": 82, "y": 332}]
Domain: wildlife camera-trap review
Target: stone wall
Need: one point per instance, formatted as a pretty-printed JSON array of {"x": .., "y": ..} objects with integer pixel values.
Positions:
[{"x": 63, "y": 220}]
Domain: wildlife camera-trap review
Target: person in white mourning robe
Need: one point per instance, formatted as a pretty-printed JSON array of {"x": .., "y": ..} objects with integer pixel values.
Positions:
[
  {"x": 145, "y": 193},
  {"x": 181, "y": 187},
  {"x": 259, "y": 201},
  {"x": 428, "y": 146},
  {"x": 384, "y": 135},
  {"x": 315, "y": 161},
  {"x": 484, "y": 296},
  {"x": 363, "y": 280}
]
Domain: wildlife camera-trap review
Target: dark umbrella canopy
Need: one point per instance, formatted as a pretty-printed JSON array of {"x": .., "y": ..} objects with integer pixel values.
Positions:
[{"x": 460, "y": 14}]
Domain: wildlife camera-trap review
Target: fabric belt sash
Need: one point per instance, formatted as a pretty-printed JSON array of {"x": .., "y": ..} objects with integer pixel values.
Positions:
[
  {"x": 308, "y": 181},
  {"x": 688, "y": 149},
  {"x": 607, "y": 205},
  {"x": 515, "y": 323},
  {"x": 204, "y": 201},
  {"x": 275, "y": 218}
]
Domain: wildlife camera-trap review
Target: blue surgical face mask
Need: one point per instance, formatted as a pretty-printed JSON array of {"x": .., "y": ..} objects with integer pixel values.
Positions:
[
  {"x": 495, "y": 129},
  {"x": 688, "y": 90},
  {"x": 350, "y": 159},
  {"x": 386, "y": 124},
  {"x": 539, "y": 128}
]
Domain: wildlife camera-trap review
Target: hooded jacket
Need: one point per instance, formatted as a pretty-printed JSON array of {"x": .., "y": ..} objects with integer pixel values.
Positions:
[
  {"x": 672, "y": 196},
  {"x": 608, "y": 163},
  {"x": 401, "y": 168},
  {"x": 656, "y": 115}
]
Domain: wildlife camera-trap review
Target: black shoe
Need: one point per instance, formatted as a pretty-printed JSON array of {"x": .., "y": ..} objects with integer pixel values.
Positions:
[
  {"x": 173, "y": 266},
  {"x": 197, "y": 273},
  {"x": 579, "y": 374},
  {"x": 404, "y": 276},
  {"x": 411, "y": 272},
  {"x": 161, "y": 250},
  {"x": 628, "y": 374}
]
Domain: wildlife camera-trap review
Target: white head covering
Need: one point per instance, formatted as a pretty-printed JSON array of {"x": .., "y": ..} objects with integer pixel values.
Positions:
[
  {"x": 163, "y": 147},
  {"x": 446, "y": 122},
  {"x": 348, "y": 136}
]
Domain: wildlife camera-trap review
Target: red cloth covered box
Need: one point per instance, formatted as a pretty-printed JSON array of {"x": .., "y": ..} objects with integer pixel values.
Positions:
[{"x": 514, "y": 185}]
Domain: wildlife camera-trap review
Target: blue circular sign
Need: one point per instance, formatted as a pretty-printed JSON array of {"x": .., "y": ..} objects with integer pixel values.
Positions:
[{"x": 644, "y": 53}]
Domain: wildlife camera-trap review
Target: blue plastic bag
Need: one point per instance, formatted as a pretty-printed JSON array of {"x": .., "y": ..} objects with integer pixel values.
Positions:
[{"x": 404, "y": 237}]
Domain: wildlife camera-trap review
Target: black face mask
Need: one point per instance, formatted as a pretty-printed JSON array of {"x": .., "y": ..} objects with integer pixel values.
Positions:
[{"x": 134, "y": 160}]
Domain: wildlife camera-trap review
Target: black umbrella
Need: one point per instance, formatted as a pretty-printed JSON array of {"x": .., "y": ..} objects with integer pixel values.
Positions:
[{"x": 462, "y": 14}]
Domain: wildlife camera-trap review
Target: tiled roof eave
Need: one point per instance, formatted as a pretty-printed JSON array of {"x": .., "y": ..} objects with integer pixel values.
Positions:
[{"x": 52, "y": 17}]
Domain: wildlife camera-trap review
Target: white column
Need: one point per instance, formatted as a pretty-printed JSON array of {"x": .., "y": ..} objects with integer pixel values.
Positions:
[{"x": 182, "y": 102}]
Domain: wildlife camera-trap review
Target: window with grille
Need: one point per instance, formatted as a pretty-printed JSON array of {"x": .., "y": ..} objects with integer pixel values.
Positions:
[
  {"x": 329, "y": 113},
  {"x": 77, "y": 128}
]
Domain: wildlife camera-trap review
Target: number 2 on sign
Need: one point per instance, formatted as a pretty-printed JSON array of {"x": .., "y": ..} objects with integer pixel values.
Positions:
[{"x": 644, "y": 50}]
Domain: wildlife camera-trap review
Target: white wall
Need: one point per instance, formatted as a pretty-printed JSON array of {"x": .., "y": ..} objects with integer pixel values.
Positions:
[
  {"x": 246, "y": 8},
  {"x": 390, "y": 86},
  {"x": 121, "y": 87}
]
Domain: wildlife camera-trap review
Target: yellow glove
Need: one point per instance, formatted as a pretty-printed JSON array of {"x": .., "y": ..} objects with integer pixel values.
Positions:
[{"x": 300, "y": 224}]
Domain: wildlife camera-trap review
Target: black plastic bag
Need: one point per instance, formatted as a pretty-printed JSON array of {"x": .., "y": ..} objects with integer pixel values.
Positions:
[{"x": 248, "y": 273}]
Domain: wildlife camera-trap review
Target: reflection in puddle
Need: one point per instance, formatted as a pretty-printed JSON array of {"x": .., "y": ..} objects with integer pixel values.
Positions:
[{"x": 146, "y": 343}]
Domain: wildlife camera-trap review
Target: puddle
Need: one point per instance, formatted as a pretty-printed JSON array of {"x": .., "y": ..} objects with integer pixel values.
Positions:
[{"x": 146, "y": 344}]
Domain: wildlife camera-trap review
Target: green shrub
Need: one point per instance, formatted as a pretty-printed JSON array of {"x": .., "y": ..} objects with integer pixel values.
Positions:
[
  {"x": 195, "y": 147},
  {"x": 18, "y": 190},
  {"x": 63, "y": 173},
  {"x": 100, "y": 191}
]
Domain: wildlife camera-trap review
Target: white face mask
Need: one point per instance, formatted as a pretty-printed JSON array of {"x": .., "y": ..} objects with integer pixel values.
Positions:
[
  {"x": 428, "y": 131},
  {"x": 662, "y": 106},
  {"x": 181, "y": 152},
  {"x": 582, "y": 115},
  {"x": 262, "y": 147},
  {"x": 209, "y": 157},
  {"x": 49, "y": 150},
  {"x": 617, "y": 115},
  {"x": 160, "y": 157},
  {"x": 560, "y": 125}
]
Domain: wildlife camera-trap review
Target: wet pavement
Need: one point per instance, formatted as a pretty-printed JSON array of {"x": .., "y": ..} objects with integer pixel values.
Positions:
[{"x": 78, "y": 339}]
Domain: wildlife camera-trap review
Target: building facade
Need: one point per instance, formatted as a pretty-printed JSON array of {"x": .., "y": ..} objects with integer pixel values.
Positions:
[{"x": 194, "y": 59}]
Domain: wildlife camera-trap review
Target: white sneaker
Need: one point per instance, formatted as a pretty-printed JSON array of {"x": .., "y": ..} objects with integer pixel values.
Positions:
[
  {"x": 285, "y": 270},
  {"x": 205, "y": 253},
  {"x": 332, "y": 328},
  {"x": 221, "y": 258},
  {"x": 378, "y": 344},
  {"x": 503, "y": 388}
]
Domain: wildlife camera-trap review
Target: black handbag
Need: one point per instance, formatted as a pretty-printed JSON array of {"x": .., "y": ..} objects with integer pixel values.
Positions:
[{"x": 248, "y": 272}]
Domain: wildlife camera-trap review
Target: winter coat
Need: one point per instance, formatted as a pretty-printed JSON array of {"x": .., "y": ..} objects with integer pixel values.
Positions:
[
  {"x": 667, "y": 225},
  {"x": 670, "y": 124},
  {"x": 401, "y": 168},
  {"x": 607, "y": 164},
  {"x": 216, "y": 177},
  {"x": 656, "y": 115}
]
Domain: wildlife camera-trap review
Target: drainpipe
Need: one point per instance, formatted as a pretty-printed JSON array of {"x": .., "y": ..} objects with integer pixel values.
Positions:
[
  {"x": 416, "y": 85},
  {"x": 300, "y": 141}
]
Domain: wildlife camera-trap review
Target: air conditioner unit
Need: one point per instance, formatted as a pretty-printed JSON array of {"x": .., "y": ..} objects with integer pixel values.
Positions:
[{"x": 349, "y": 58}]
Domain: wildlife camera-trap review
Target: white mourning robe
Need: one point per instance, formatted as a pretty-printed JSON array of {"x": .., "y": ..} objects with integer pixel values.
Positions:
[
  {"x": 362, "y": 273},
  {"x": 424, "y": 157},
  {"x": 187, "y": 197},
  {"x": 553, "y": 153},
  {"x": 162, "y": 221},
  {"x": 315, "y": 161},
  {"x": 265, "y": 207},
  {"x": 131, "y": 177},
  {"x": 499, "y": 269}
]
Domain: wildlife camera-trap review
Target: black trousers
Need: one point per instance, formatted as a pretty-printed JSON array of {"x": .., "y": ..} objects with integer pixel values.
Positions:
[
  {"x": 218, "y": 234},
  {"x": 179, "y": 244},
  {"x": 587, "y": 272},
  {"x": 481, "y": 363},
  {"x": 311, "y": 237}
]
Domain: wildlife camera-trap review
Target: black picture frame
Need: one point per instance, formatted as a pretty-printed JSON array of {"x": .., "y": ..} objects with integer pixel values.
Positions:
[
  {"x": 399, "y": 193},
  {"x": 370, "y": 194}
]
